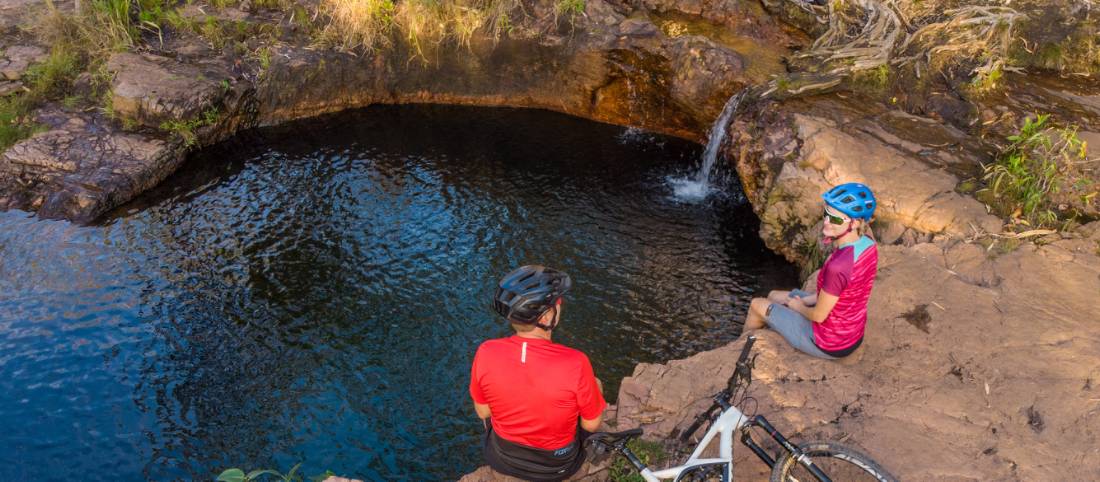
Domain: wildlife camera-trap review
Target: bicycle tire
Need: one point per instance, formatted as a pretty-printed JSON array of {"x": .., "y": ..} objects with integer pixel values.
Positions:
[{"x": 838, "y": 461}]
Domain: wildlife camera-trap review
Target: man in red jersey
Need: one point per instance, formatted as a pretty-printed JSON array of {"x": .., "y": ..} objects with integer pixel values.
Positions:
[{"x": 538, "y": 399}]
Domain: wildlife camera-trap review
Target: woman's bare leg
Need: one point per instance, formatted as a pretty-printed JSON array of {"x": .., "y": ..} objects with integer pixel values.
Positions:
[
  {"x": 779, "y": 297},
  {"x": 757, "y": 310}
]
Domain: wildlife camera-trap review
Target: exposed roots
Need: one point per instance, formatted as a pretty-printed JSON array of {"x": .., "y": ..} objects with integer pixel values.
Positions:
[
  {"x": 862, "y": 35},
  {"x": 869, "y": 34},
  {"x": 975, "y": 32}
]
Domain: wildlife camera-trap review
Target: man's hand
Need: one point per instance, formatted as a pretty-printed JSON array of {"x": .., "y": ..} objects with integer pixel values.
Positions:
[
  {"x": 482, "y": 410},
  {"x": 599, "y": 385}
]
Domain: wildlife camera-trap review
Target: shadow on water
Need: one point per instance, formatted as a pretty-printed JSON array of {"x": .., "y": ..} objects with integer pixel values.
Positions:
[{"x": 315, "y": 292}]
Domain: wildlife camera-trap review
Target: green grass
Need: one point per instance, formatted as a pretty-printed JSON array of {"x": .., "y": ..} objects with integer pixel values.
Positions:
[
  {"x": 650, "y": 453},
  {"x": 185, "y": 129},
  {"x": 14, "y": 122},
  {"x": 52, "y": 78},
  {"x": 570, "y": 7},
  {"x": 874, "y": 80},
  {"x": 1022, "y": 179}
]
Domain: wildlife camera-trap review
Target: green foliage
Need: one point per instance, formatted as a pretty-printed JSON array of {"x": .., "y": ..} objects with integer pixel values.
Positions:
[
  {"x": 988, "y": 82},
  {"x": 185, "y": 129},
  {"x": 264, "y": 56},
  {"x": 813, "y": 257},
  {"x": 570, "y": 7},
  {"x": 52, "y": 78},
  {"x": 874, "y": 80},
  {"x": 1028, "y": 172},
  {"x": 14, "y": 123},
  {"x": 269, "y": 4},
  {"x": 238, "y": 475},
  {"x": 648, "y": 452}
]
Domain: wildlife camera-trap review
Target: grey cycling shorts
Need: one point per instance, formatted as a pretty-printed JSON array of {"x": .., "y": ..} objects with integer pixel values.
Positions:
[{"x": 795, "y": 328}]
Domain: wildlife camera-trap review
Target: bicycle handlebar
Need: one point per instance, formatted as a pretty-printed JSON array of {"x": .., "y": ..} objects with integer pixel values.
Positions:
[{"x": 741, "y": 369}]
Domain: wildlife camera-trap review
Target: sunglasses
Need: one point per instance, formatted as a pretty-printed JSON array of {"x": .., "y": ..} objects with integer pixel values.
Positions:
[{"x": 837, "y": 220}]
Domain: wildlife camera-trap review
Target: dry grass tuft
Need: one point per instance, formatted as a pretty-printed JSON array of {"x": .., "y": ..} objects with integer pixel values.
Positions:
[{"x": 422, "y": 24}]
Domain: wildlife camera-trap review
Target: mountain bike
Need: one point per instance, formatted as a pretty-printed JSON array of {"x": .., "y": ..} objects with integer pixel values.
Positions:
[{"x": 822, "y": 461}]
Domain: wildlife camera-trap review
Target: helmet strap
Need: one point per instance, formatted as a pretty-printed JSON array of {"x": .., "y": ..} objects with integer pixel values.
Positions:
[
  {"x": 553, "y": 321},
  {"x": 829, "y": 239}
]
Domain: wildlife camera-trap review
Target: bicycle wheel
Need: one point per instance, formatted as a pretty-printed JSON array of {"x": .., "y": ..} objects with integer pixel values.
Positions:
[{"x": 839, "y": 462}]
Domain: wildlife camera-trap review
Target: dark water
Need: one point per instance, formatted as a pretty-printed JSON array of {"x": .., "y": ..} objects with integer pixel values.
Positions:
[{"x": 316, "y": 292}]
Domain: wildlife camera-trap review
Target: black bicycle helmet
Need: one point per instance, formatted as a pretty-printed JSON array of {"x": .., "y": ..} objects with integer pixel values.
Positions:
[{"x": 526, "y": 293}]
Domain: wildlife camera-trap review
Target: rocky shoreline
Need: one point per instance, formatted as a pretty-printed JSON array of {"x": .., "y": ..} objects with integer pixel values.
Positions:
[
  {"x": 165, "y": 102},
  {"x": 981, "y": 358}
]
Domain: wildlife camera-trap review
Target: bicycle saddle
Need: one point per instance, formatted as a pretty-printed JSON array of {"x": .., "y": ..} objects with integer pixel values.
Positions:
[{"x": 614, "y": 438}]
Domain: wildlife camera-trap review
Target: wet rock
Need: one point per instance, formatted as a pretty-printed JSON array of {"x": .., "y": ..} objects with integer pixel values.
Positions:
[
  {"x": 15, "y": 60},
  {"x": 789, "y": 153},
  {"x": 80, "y": 167},
  {"x": 151, "y": 90}
]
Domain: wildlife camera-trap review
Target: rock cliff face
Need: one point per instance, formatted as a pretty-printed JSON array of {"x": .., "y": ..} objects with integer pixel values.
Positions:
[
  {"x": 788, "y": 153},
  {"x": 605, "y": 66}
]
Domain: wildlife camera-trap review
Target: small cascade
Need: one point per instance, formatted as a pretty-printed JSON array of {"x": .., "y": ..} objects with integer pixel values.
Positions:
[{"x": 698, "y": 187}]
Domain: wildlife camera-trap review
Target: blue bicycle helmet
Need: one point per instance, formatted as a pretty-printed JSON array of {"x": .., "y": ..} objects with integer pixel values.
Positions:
[{"x": 853, "y": 199}]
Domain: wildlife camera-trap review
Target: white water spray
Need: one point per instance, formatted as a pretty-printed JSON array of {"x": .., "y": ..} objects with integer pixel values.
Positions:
[{"x": 698, "y": 187}]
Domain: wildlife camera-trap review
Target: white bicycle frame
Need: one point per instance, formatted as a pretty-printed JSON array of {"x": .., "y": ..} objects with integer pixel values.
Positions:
[{"x": 729, "y": 422}]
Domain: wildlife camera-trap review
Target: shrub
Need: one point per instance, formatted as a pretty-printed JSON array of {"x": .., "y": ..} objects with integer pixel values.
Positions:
[{"x": 1022, "y": 179}]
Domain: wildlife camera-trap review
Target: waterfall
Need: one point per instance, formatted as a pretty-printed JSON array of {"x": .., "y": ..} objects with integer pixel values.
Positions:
[
  {"x": 697, "y": 187},
  {"x": 717, "y": 136}
]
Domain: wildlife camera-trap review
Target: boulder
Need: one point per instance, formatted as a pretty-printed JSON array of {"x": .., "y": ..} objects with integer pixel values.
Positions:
[
  {"x": 77, "y": 169},
  {"x": 151, "y": 90},
  {"x": 788, "y": 153},
  {"x": 15, "y": 60},
  {"x": 701, "y": 67}
]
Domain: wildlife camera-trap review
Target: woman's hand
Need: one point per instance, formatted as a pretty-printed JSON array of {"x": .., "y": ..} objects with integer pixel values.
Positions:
[{"x": 795, "y": 303}]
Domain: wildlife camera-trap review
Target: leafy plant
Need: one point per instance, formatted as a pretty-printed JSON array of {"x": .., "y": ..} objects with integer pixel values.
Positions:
[
  {"x": 648, "y": 452},
  {"x": 186, "y": 128},
  {"x": 238, "y": 475},
  {"x": 1028, "y": 172},
  {"x": 570, "y": 7}
]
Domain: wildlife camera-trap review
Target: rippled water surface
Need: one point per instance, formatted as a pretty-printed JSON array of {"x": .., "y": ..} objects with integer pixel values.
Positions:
[{"x": 316, "y": 292}]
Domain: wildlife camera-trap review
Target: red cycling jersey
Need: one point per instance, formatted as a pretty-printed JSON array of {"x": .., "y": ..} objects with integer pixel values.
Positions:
[{"x": 535, "y": 390}]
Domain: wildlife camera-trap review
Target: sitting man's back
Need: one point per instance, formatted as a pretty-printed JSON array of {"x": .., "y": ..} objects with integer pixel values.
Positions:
[{"x": 540, "y": 398}]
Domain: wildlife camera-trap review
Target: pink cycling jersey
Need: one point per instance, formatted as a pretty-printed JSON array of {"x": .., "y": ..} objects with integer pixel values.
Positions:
[{"x": 848, "y": 274}]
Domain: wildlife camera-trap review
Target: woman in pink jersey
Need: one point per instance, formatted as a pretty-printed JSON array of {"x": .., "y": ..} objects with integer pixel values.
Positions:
[{"x": 830, "y": 323}]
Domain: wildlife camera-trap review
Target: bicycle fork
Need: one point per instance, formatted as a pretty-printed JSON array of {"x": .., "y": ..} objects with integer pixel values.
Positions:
[{"x": 760, "y": 421}]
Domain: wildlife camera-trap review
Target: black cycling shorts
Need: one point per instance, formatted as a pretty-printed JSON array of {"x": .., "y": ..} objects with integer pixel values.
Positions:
[{"x": 530, "y": 463}]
